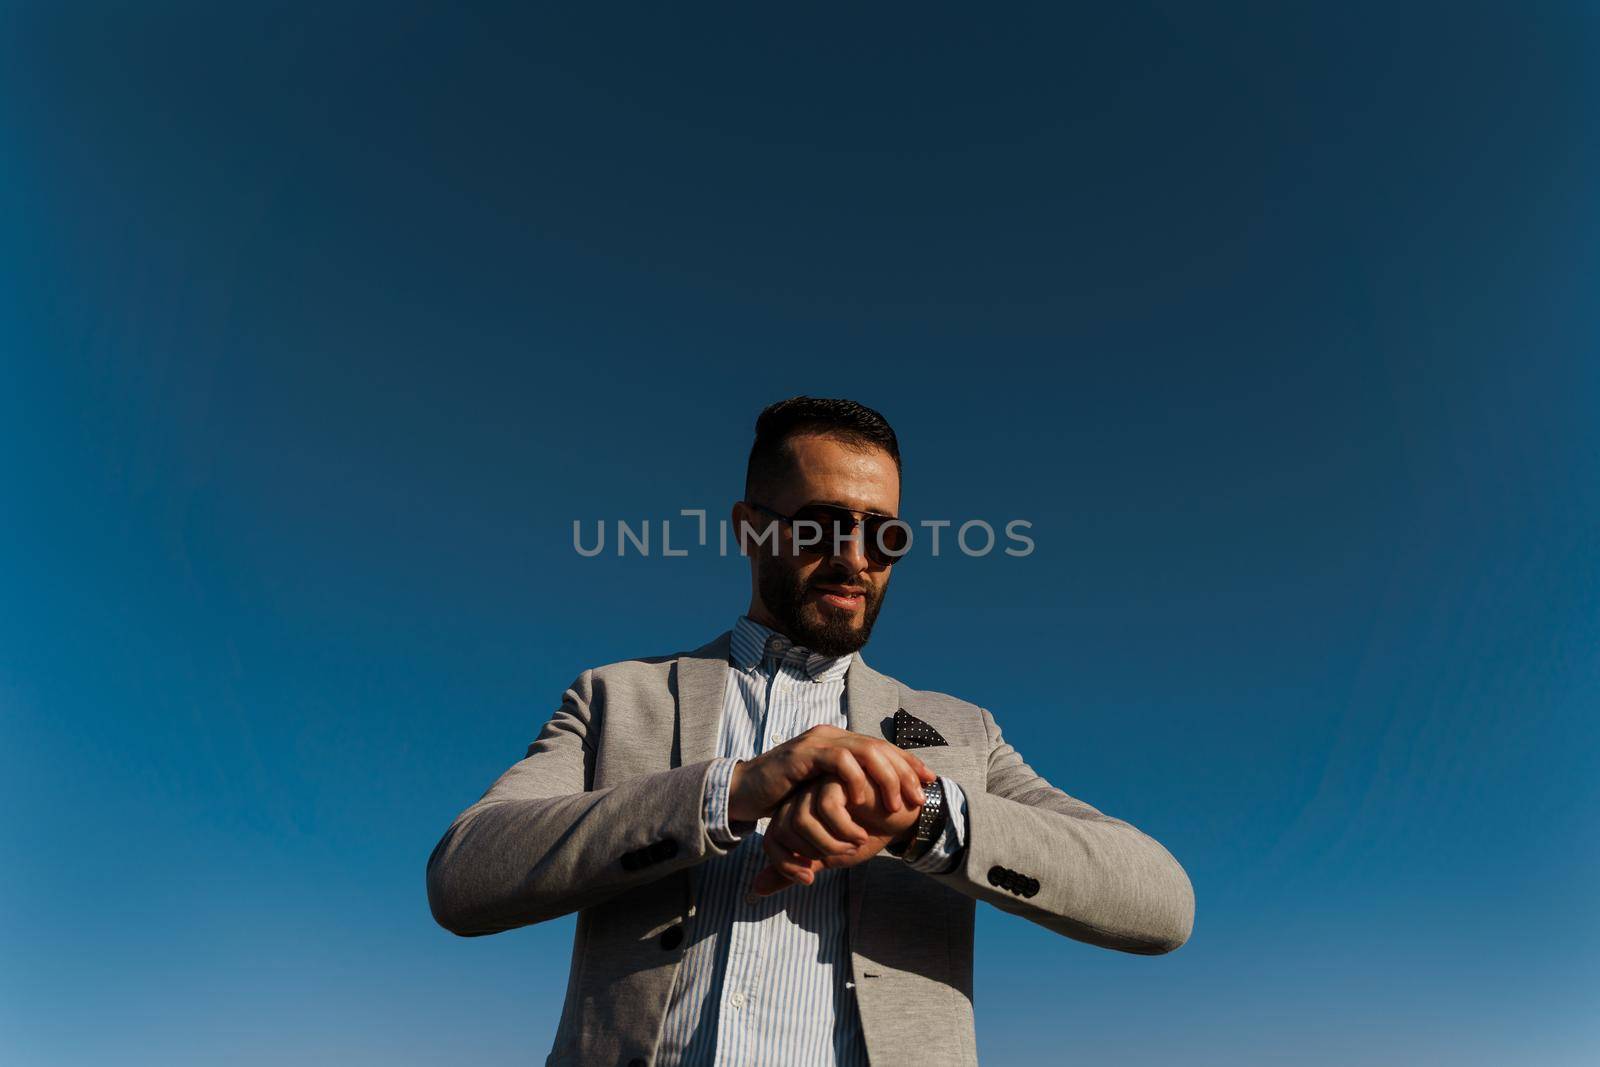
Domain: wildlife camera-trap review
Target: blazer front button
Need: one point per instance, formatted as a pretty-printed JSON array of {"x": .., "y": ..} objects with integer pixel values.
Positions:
[{"x": 672, "y": 937}]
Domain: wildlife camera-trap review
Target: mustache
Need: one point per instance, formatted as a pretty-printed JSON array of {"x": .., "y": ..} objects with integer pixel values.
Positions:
[{"x": 837, "y": 586}]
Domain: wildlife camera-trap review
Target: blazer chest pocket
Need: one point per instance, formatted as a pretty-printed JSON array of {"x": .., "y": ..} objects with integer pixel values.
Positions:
[{"x": 965, "y": 763}]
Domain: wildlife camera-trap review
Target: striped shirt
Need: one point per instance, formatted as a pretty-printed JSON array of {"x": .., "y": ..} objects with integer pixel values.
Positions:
[{"x": 766, "y": 981}]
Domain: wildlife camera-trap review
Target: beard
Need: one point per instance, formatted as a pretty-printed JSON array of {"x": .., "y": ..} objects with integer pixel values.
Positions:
[{"x": 806, "y": 622}]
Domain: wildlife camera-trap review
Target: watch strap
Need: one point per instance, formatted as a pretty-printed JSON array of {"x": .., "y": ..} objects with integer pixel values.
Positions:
[{"x": 929, "y": 825}]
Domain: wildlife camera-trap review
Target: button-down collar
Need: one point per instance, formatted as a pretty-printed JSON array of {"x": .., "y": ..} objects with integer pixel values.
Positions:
[{"x": 752, "y": 643}]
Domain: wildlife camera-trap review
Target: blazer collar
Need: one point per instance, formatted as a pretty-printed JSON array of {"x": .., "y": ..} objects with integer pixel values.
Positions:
[{"x": 702, "y": 678}]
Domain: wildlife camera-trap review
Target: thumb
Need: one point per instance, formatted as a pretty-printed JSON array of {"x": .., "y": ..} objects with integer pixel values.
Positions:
[{"x": 769, "y": 880}]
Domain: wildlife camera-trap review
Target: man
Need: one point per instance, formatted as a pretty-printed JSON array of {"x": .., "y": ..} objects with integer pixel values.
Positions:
[{"x": 774, "y": 850}]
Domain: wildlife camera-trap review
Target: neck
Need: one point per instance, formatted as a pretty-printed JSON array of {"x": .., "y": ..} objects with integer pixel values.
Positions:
[{"x": 759, "y": 613}]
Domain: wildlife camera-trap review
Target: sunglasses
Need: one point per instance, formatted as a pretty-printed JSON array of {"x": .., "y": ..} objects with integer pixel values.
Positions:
[{"x": 822, "y": 530}]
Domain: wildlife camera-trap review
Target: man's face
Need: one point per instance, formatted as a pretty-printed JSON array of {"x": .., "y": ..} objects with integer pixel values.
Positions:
[{"x": 824, "y": 598}]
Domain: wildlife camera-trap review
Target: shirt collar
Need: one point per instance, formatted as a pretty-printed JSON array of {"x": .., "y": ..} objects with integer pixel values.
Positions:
[{"x": 752, "y": 643}]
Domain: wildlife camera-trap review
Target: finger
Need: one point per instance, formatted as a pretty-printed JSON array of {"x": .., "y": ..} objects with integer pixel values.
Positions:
[
  {"x": 812, "y": 830},
  {"x": 905, "y": 766},
  {"x": 790, "y": 867},
  {"x": 885, "y": 772},
  {"x": 843, "y": 765},
  {"x": 801, "y": 870},
  {"x": 775, "y": 852},
  {"x": 794, "y": 805},
  {"x": 768, "y": 881},
  {"x": 794, "y": 866},
  {"x": 771, "y": 842},
  {"x": 910, "y": 781},
  {"x": 775, "y": 877},
  {"x": 835, "y": 815},
  {"x": 791, "y": 864},
  {"x": 783, "y": 837},
  {"x": 885, "y": 781}
]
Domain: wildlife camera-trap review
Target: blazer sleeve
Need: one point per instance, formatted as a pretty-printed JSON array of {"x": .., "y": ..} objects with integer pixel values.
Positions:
[
  {"x": 542, "y": 842},
  {"x": 1036, "y": 852}
]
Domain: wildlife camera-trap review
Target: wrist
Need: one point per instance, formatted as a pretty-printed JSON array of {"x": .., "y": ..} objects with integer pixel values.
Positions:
[
  {"x": 738, "y": 786},
  {"x": 720, "y": 828},
  {"x": 897, "y": 844},
  {"x": 914, "y": 842}
]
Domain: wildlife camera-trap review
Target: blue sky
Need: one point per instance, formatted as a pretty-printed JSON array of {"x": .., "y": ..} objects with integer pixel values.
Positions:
[{"x": 319, "y": 328}]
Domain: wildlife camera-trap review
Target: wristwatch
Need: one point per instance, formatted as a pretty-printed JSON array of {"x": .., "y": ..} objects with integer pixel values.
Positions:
[{"x": 930, "y": 824}]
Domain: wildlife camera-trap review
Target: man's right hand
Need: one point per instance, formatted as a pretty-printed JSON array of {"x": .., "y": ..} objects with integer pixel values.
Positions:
[
  {"x": 804, "y": 836},
  {"x": 867, "y": 767}
]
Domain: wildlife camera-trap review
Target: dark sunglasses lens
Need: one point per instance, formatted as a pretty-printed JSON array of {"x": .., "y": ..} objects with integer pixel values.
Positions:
[
  {"x": 817, "y": 528},
  {"x": 884, "y": 540},
  {"x": 887, "y": 540}
]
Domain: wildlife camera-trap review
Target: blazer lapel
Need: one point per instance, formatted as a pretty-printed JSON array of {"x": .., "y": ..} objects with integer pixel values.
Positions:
[
  {"x": 702, "y": 676},
  {"x": 870, "y": 698}
]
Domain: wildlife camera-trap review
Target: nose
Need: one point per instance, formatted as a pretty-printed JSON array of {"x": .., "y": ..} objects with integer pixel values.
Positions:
[{"x": 850, "y": 553}]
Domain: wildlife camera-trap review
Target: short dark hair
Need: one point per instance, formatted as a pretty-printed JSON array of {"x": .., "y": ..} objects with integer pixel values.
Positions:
[{"x": 845, "y": 420}]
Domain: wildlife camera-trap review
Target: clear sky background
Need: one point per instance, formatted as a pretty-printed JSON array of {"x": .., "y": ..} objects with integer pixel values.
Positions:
[{"x": 320, "y": 327}]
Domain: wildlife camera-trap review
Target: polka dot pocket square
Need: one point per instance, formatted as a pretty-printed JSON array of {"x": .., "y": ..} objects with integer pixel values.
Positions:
[{"x": 911, "y": 732}]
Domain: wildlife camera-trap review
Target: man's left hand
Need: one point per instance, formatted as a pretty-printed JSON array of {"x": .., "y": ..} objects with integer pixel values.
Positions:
[{"x": 809, "y": 832}]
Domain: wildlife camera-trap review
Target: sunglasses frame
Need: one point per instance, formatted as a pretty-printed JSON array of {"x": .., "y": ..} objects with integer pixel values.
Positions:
[{"x": 870, "y": 545}]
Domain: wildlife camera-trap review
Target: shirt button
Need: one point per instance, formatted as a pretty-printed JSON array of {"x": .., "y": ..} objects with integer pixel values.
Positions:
[{"x": 737, "y": 1000}]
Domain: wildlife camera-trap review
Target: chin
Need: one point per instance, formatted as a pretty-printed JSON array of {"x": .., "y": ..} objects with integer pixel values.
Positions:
[
  {"x": 832, "y": 635},
  {"x": 818, "y": 618}
]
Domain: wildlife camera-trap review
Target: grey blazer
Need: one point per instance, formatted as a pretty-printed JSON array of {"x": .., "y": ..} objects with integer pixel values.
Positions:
[{"x": 604, "y": 817}]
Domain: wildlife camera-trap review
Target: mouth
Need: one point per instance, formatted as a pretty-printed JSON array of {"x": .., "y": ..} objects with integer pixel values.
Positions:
[{"x": 845, "y": 598}]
